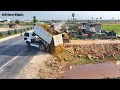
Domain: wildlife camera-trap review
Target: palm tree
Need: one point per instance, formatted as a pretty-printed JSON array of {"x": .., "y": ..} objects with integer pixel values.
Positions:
[
  {"x": 96, "y": 19},
  {"x": 34, "y": 19},
  {"x": 92, "y": 18},
  {"x": 101, "y": 18},
  {"x": 73, "y": 15},
  {"x": 113, "y": 19}
]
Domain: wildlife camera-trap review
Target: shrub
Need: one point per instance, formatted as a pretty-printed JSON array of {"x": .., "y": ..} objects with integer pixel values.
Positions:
[
  {"x": 20, "y": 30},
  {"x": 9, "y": 33},
  {"x": 24, "y": 29},
  {"x": 15, "y": 31},
  {"x": 100, "y": 35},
  {"x": 27, "y": 28},
  {"x": 17, "y": 21},
  {"x": 1, "y": 35}
]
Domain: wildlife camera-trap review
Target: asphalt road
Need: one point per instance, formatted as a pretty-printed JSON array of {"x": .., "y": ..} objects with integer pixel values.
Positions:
[{"x": 14, "y": 56}]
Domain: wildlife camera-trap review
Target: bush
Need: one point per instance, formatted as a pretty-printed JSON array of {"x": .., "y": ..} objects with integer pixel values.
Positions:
[
  {"x": 100, "y": 35},
  {"x": 9, "y": 33},
  {"x": 27, "y": 28},
  {"x": 15, "y": 31},
  {"x": 20, "y": 30},
  {"x": 24, "y": 29},
  {"x": 1, "y": 35},
  {"x": 17, "y": 21}
]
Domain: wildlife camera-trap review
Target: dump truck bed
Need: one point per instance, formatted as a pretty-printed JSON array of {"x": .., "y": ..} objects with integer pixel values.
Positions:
[
  {"x": 43, "y": 34},
  {"x": 46, "y": 36}
]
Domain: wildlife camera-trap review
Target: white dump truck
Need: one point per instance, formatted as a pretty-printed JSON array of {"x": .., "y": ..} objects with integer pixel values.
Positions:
[{"x": 41, "y": 38}]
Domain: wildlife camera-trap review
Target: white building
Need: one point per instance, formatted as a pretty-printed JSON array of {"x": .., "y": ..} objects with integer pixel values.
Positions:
[{"x": 4, "y": 21}]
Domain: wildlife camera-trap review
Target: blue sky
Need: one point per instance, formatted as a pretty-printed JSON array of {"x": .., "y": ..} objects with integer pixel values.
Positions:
[{"x": 48, "y": 15}]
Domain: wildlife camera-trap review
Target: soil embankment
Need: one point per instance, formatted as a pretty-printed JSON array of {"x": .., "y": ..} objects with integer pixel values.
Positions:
[{"x": 46, "y": 66}]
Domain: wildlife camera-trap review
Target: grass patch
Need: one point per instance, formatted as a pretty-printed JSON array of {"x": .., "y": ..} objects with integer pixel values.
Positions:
[{"x": 110, "y": 27}]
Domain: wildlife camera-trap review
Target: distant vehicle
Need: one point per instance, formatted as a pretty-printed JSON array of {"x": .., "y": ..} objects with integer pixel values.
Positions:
[{"x": 103, "y": 31}]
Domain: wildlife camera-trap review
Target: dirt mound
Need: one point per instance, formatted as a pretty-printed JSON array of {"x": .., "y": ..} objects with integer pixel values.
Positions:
[
  {"x": 49, "y": 29},
  {"x": 101, "y": 51}
]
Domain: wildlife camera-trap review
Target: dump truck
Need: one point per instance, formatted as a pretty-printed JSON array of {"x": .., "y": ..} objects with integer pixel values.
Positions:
[{"x": 42, "y": 38}]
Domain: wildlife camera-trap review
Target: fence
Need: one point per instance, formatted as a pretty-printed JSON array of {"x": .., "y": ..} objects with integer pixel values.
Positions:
[{"x": 5, "y": 33}]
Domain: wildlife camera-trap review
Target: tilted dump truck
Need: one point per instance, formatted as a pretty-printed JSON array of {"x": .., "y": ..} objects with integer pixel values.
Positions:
[{"x": 42, "y": 39}]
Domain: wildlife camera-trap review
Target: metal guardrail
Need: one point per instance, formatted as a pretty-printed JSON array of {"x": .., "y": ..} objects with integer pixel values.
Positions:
[{"x": 5, "y": 33}]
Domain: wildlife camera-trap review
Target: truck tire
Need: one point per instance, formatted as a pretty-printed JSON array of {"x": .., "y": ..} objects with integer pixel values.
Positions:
[
  {"x": 42, "y": 47},
  {"x": 48, "y": 48},
  {"x": 28, "y": 44}
]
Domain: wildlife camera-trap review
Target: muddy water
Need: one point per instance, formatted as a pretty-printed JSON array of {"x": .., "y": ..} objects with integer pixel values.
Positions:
[{"x": 94, "y": 71}]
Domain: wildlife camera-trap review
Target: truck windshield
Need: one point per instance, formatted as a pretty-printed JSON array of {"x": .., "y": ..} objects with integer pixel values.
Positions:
[{"x": 26, "y": 34}]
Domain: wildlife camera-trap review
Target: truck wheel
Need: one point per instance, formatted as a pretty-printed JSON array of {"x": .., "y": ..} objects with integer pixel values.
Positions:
[
  {"x": 28, "y": 44},
  {"x": 48, "y": 48},
  {"x": 41, "y": 47}
]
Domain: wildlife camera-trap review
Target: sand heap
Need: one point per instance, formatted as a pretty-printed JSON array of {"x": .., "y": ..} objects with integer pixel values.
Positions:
[
  {"x": 102, "y": 51},
  {"x": 49, "y": 29}
]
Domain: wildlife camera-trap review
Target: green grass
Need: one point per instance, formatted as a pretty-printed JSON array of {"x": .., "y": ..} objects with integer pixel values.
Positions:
[{"x": 108, "y": 27}]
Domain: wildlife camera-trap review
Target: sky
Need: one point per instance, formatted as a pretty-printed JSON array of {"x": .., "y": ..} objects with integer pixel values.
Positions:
[{"x": 64, "y": 15}]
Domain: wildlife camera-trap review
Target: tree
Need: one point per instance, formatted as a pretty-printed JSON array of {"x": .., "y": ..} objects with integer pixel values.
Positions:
[
  {"x": 17, "y": 21},
  {"x": 15, "y": 31},
  {"x": 9, "y": 33},
  {"x": 101, "y": 18},
  {"x": 113, "y": 19},
  {"x": 1, "y": 35},
  {"x": 34, "y": 19},
  {"x": 73, "y": 15}
]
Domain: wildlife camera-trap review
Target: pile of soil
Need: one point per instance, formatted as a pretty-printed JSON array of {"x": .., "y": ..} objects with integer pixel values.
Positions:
[
  {"x": 110, "y": 51},
  {"x": 49, "y": 29}
]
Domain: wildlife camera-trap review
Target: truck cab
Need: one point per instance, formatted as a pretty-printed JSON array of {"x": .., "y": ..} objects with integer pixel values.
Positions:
[{"x": 32, "y": 39}]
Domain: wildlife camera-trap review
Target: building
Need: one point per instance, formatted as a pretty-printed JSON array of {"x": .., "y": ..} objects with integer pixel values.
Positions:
[
  {"x": 5, "y": 21},
  {"x": 90, "y": 27},
  {"x": 28, "y": 21}
]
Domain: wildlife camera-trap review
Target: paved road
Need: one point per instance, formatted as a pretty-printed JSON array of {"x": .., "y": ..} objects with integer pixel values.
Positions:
[{"x": 14, "y": 56}]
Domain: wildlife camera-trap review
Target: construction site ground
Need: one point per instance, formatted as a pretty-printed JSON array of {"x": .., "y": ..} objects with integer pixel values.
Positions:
[
  {"x": 42, "y": 66},
  {"x": 46, "y": 66},
  {"x": 97, "y": 41}
]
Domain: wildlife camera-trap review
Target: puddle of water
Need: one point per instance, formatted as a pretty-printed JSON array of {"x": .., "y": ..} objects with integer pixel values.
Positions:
[{"x": 94, "y": 71}]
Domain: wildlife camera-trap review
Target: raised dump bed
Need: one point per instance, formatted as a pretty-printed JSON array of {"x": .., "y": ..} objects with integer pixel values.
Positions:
[{"x": 42, "y": 38}]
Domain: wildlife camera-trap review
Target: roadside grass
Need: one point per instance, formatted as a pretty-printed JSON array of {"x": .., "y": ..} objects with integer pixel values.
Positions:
[{"x": 110, "y": 27}]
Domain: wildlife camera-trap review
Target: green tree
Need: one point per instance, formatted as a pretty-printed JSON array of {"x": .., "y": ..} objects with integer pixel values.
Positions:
[
  {"x": 34, "y": 19},
  {"x": 9, "y": 33},
  {"x": 1, "y": 35},
  {"x": 15, "y": 31},
  {"x": 17, "y": 21}
]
